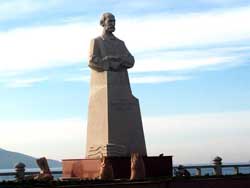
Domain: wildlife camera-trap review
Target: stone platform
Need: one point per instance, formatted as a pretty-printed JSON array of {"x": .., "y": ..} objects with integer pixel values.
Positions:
[{"x": 89, "y": 168}]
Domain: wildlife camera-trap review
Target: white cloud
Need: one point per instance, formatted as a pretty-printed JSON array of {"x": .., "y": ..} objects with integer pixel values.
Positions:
[
  {"x": 168, "y": 63},
  {"x": 156, "y": 79},
  {"x": 136, "y": 79},
  {"x": 171, "y": 31},
  {"x": 15, "y": 8},
  {"x": 28, "y": 82},
  {"x": 78, "y": 79},
  {"x": 222, "y": 2},
  {"x": 47, "y": 46},
  {"x": 198, "y": 138},
  {"x": 195, "y": 138},
  {"x": 41, "y": 47},
  {"x": 141, "y": 5},
  {"x": 59, "y": 139}
]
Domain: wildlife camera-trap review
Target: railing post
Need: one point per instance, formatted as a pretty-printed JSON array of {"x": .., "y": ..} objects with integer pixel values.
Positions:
[
  {"x": 236, "y": 170},
  {"x": 20, "y": 171},
  {"x": 182, "y": 171},
  {"x": 198, "y": 171},
  {"x": 217, "y": 166}
]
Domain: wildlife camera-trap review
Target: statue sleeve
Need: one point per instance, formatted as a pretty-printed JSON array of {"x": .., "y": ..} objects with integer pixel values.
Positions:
[
  {"x": 127, "y": 59},
  {"x": 95, "y": 59}
]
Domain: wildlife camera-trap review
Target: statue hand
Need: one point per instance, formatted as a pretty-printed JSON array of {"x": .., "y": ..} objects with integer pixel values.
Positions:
[
  {"x": 111, "y": 58},
  {"x": 112, "y": 62}
]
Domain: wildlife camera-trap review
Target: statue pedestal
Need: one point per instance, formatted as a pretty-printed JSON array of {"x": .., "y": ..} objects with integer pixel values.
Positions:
[
  {"x": 89, "y": 168},
  {"x": 114, "y": 118}
]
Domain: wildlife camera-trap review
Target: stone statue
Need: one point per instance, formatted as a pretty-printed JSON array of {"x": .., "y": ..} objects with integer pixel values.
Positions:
[
  {"x": 106, "y": 170},
  {"x": 45, "y": 173},
  {"x": 137, "y": 167},
  {"x": 114, "y": 119}
]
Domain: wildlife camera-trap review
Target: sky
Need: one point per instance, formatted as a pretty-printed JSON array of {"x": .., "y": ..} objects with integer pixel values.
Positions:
[{"x": 191, "y": 75}]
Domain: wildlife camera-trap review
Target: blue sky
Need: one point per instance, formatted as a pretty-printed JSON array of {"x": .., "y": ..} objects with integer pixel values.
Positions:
[{"x": 191, "y": 75}]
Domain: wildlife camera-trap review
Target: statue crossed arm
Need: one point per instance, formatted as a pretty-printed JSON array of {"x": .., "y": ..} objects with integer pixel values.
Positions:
[{"x": 109, "y": 62}]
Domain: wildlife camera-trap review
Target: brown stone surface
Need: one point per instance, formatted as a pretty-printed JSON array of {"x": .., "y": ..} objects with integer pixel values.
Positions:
[
  {"x": 89, "y": 168},
  {"x": 81, "y": 168},
  {"x": 114, "y": 117}
]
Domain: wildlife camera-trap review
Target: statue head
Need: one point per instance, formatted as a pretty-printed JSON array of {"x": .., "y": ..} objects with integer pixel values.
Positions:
[{"x": 108, "y": 22}]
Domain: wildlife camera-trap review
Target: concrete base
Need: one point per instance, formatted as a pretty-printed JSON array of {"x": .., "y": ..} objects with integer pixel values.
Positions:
[
  {"x": 89, "y": 168},
  {"x": 114, "y": 118}
]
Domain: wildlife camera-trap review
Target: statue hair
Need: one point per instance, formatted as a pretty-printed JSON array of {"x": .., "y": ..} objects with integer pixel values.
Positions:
[{"x": 104, "y": 16}]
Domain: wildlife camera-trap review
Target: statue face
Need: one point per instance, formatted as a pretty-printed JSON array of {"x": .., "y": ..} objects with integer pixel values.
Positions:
[{"x": 109, "y": 24}]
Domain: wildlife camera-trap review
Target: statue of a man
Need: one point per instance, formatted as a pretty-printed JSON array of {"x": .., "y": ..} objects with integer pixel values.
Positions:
[
  {"x": 108, "y": 53},
  {"x": 114, "y": 119}
]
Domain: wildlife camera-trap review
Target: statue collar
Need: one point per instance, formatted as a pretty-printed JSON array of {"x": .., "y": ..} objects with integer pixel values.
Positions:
[{"x": 108, "y": 37}]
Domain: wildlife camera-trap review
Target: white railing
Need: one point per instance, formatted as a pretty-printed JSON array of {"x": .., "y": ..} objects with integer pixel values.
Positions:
[
  {"x": 217, "y": 169},
  {"x": 12, "y": 175}
]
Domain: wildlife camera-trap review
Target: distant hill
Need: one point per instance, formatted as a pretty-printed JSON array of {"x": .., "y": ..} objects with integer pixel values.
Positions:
[{"x": 8, "y": 159}]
